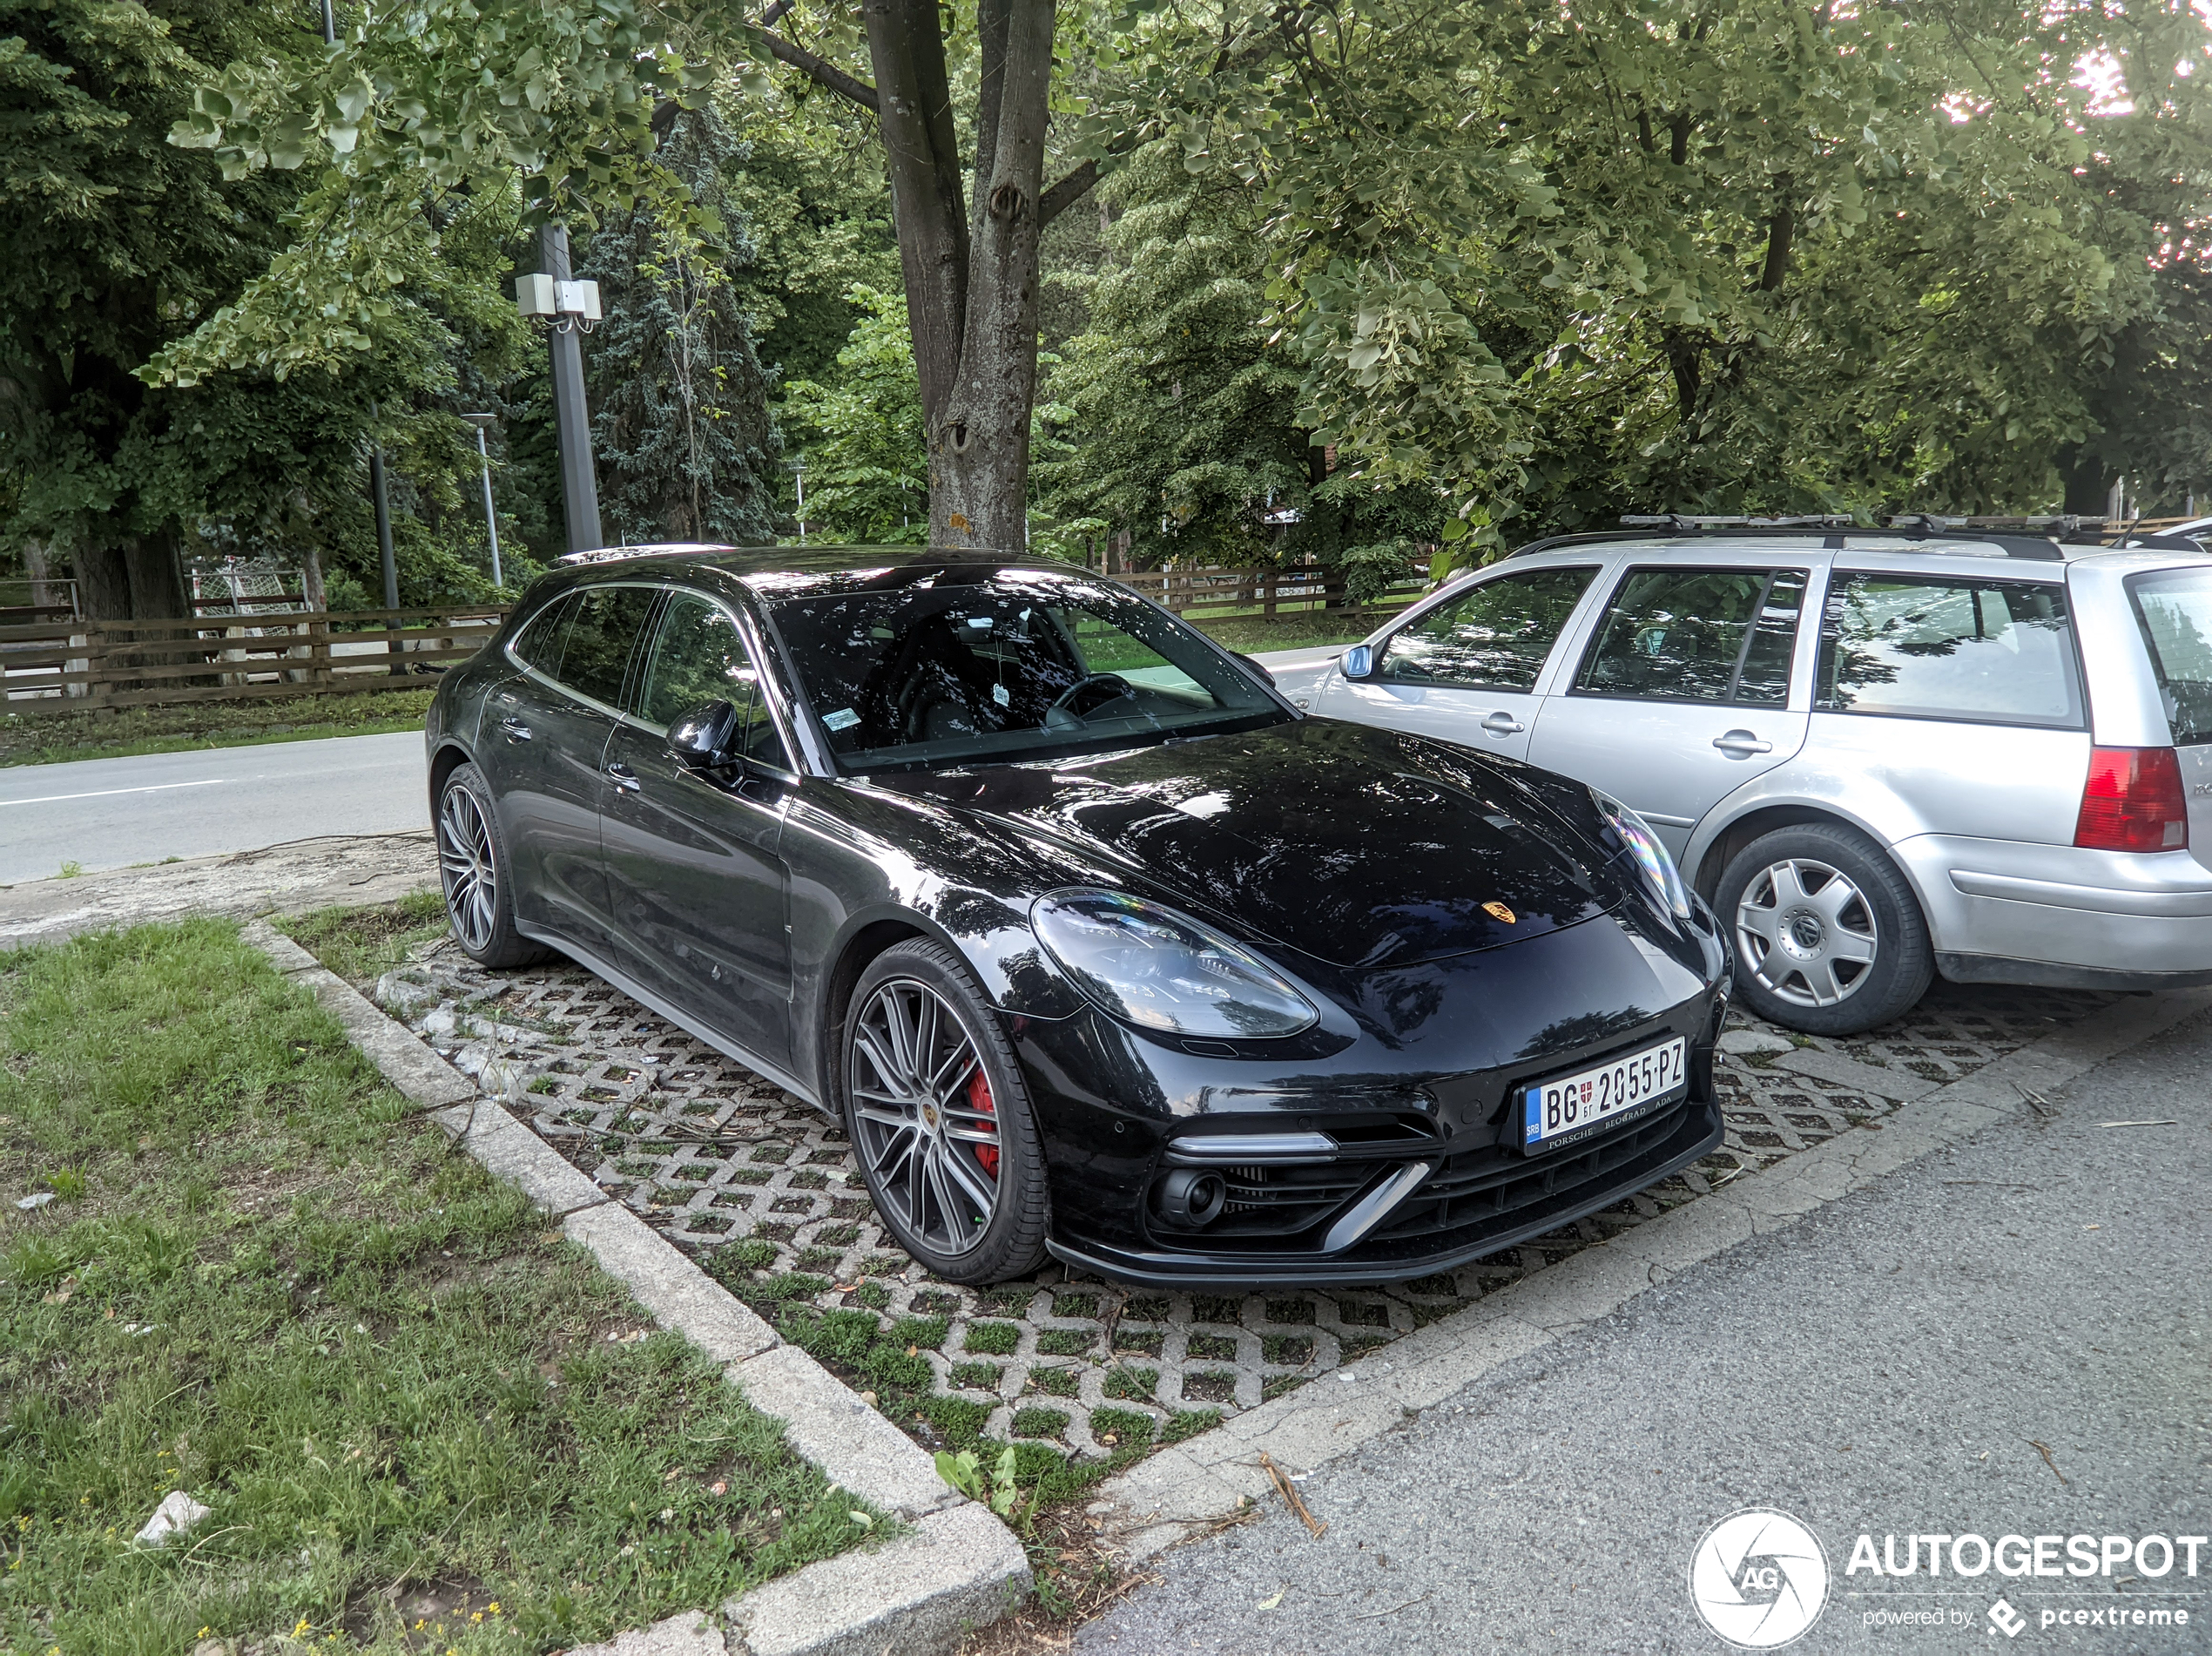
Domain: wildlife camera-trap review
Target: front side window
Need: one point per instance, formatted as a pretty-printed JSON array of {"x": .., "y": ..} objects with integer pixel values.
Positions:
[
  {"x": 698, "y": 656},
  {"x": 1992, "y": 651},
  {"x": 603, "y": 627},
  {"x": 1698, "y": 635},
  {"x": 932, "y": 668},
  {"x": 2174, "y": 608},
  {"x": 1495, "y": 636}
]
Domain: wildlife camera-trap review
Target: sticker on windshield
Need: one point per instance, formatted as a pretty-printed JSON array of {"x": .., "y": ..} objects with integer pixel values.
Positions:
[
  {"x": 843, "y": 719},
  {"x": 999, "y": 694}
]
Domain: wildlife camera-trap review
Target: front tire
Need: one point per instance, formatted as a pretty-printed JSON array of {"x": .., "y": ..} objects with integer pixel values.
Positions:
[
  {"x": 939, "y": 1120},
  {"x": 476, "y": 871},
  {"x": 1829, "y": 937}
]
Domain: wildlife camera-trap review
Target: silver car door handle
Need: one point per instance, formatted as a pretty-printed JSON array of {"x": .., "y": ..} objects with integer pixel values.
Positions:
[
  {"x": 1502, "y": 723},
  {"x": 624, "y": 778},
  {"x": 1741, "y": 744},
  {"x": 515, "y": 729}
]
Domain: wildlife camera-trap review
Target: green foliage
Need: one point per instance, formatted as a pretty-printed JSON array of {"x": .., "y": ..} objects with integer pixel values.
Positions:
[
  {"x": 862, "y": 436},
  {"x": 965, "y": 1473},
  {"x": 680, "y": 427}
]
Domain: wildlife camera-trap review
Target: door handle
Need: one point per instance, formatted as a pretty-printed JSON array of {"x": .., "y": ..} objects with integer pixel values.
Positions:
[
  {"x": 1502, "y": 723},
  {"x": 1741, "y": 744},
  {"x": 514, "y": 729},
  {"x": 622, "y": 777}
]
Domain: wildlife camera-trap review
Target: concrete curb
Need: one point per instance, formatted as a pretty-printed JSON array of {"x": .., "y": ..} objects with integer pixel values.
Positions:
[
  {"x": 1166, "y": 1499},
  {"x": 956, "y": 1568}
]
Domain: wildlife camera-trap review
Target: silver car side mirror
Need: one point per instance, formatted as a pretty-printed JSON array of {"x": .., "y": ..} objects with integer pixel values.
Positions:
[{"x": 1357, "y": 662}]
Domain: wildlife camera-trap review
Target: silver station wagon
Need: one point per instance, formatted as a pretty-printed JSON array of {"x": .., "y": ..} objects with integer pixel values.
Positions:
[{"x": 1881, "y": 755}]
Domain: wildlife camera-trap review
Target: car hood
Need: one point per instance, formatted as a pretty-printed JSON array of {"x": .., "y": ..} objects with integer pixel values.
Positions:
[{"x": 1358, "y": 847}]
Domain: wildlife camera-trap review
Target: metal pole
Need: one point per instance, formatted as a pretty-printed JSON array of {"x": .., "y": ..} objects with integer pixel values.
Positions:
[
  {"x": 579, "y": 486},
  {"x": 492, "y": 514},
  {"x": 798, "y": 477},
  {"x": 381, "y": 499},
  {"x": 329, "y": 25}
]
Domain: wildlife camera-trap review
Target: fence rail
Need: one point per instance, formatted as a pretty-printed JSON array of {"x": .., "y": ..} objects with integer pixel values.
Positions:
[
  {"x": 49, "y": 666},
  {"x": 1267, "y": 591}
]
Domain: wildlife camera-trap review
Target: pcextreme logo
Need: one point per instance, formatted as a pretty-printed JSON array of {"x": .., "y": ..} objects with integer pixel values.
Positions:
[{"x": 1759, "y": 1579}]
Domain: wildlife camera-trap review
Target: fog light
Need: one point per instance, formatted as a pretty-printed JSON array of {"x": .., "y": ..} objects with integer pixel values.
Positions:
[{"x": 1190, "y": 1200}]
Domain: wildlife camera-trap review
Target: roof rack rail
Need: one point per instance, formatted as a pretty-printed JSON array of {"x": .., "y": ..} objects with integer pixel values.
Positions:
[
  {"x": 651, "y": 549},
  {"x": 2043, "y": 548}
]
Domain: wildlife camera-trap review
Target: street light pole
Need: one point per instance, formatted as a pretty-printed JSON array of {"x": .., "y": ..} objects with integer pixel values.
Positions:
[
  {"x": 491, "y": 515},
  {"x": 579, "y": 485}
]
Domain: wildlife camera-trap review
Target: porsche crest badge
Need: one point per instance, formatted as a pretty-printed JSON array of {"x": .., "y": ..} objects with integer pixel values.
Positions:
[{"x": 1499, "y": 911}]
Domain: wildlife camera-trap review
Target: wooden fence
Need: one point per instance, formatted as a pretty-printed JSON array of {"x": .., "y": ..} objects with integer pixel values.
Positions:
[
  {"x": 1293, "y": 590},
  {"x": 72, "y": 666}
]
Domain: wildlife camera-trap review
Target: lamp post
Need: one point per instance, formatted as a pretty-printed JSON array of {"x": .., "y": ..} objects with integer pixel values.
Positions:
[
  {"x": 799, "y": 481},
  {"x": 570, "y": 309},
  {"x": 481, "y": 421}
]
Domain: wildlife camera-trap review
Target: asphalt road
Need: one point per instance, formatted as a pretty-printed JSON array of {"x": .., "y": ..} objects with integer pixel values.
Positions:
[
  {"x": 112, "y": 813},
  {"x": 1888, "y": 1366}
]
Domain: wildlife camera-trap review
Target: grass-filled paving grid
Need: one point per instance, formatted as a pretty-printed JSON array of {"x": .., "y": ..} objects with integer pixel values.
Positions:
[
  {"x": 421, "y": 1421},
  {"x": 760, "y": 1188}
]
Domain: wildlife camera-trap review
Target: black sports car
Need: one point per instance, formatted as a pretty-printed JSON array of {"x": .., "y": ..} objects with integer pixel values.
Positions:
[{"x": 1095, "y": 943}]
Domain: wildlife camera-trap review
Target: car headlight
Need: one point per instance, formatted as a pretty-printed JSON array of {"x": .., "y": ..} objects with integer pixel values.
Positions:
[
  {"x": 1162, "y": 970},
  {"x": 1651, "y": 857}
]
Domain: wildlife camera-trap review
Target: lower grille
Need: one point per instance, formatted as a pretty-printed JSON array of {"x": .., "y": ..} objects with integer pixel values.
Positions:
[{"x": 1485, "y": 1184}]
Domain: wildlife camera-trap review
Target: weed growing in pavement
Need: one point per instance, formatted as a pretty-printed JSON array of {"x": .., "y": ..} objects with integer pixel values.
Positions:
[{"x": 282, "y": 1293}]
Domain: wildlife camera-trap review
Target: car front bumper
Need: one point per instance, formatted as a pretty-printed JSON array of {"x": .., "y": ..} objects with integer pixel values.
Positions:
[{"x": 1419, "y": 1168}]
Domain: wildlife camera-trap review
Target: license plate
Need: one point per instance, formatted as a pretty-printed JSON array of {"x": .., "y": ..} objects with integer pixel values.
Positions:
[{"x": 1568, "y": 1107}]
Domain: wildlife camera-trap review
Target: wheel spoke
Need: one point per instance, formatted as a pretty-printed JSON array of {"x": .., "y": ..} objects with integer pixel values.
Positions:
[
  {"x": 1834, "y": 897},
  {"x": 909, "y": 1061}
]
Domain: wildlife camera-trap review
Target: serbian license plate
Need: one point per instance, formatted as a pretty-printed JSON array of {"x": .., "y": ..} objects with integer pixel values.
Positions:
[{"x": 1568, "y": 1107}]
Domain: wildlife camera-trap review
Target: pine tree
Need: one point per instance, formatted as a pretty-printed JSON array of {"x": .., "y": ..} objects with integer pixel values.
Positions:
[{"x": 681, "y": 431}]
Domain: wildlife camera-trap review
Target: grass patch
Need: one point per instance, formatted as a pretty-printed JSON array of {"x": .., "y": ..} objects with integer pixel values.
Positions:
[
  {"x": 361, "y": 944},
  {"x": 49, "y": 739},
  {"x": 1252, "y": 633},
  {"x": 284, "y": 1294}
]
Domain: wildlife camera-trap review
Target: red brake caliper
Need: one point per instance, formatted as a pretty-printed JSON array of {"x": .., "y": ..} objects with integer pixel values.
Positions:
[{"x": 979, "y": 1098}]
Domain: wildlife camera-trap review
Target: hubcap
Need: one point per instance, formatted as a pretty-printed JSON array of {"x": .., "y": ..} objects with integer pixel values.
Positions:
[
  {"x": 1806, "y": 932},
  {"x": 927, "y": 1124},
  {"x": 465, "y": 867}
]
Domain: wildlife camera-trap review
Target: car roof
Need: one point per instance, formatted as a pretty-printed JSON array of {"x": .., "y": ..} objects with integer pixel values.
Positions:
[
  {"x": 783, "y": 571},
  {"x": 1780, "y": 540}
]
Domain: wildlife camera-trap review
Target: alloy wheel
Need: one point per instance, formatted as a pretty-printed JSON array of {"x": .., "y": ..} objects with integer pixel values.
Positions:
[
  {"x": 466, "y": 867},
  {"x": 924, "y": 1116},
  {"x": 1806, "y": 931}
]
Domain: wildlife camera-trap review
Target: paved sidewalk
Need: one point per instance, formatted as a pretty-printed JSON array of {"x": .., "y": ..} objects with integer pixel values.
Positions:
[{"x": 1888, "y": 1365}]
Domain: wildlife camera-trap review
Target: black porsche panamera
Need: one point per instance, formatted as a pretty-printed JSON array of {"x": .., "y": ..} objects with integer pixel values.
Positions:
[{"x": 1096, "y": 944}]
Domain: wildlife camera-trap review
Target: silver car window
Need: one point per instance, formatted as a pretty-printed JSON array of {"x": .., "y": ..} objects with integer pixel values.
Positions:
[
  {"x": 1992, "y": 651},
  {"x": 1494, "y": 636},
  {"x": 1723, "y": 635},
  {"x": 2174, "y": 607}
]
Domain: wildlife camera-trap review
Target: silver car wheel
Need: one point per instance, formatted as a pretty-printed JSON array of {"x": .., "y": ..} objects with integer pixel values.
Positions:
[
  {"x": 466, "y": 867},
  {"x": 927, "y": 1123},
  {"x": 1807, "y": 932}
]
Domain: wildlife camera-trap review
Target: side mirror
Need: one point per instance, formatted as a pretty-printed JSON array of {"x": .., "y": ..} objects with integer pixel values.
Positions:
[
  {"x": 1357, "y": 662},
  {"x": 706, "y": 737},
  {"x": 1259, "y": 668}
]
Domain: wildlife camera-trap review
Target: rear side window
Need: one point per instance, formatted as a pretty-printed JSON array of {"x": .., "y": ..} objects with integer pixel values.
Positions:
[
  {"x": 1990, "y": 651},
  {"x": 1493, "y": 637},
  {"x": 1723, "y": 635},
  {"x": 2174, "y": 607},
  {"x": 602, "y": 628},
  {"x": 539, "y": 643}
]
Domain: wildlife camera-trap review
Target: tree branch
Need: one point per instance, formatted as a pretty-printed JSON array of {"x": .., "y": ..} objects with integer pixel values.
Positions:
[
  {"x": 818, "y": 70},
  {"x": 1066, "y": 193},
  {"x": 1782, "y": 230}
]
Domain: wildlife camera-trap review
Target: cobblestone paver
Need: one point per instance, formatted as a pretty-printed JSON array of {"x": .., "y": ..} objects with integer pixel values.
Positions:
[{"x": 761, "y": 1188}]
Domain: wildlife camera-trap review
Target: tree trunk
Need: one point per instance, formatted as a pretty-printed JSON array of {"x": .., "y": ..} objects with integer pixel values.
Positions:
[
  {"x": 103, "y": 584},
  {"x": 979, "y": 450},
  {"x": 2081, "y": 470}
]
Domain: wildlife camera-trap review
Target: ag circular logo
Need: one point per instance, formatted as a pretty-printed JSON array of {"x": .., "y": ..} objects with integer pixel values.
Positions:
[{"x": 1759, "y": 1579}]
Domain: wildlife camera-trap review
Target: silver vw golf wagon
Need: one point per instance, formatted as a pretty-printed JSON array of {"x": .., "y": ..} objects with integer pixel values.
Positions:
[{"x": 1880, "y": 754}]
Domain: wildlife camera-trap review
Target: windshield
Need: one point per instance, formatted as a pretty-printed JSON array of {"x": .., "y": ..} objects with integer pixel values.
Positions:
[{"x": 935, "y": 668}]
